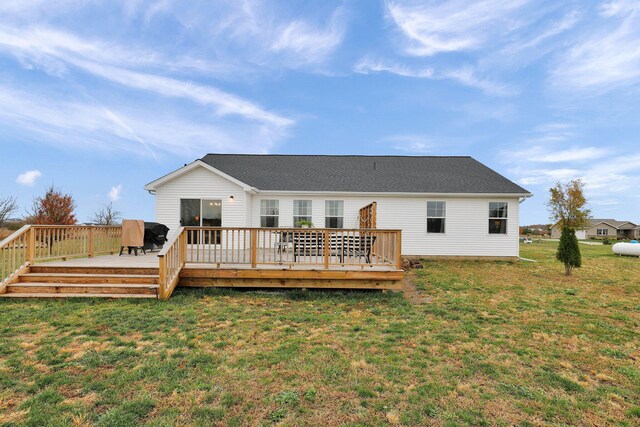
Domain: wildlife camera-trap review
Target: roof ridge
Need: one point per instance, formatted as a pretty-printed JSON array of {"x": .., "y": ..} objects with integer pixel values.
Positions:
[{"x": 335, "y": 155}]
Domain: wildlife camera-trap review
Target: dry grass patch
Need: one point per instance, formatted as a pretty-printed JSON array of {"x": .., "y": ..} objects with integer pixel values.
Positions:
[{"x": 488, "y": 344}]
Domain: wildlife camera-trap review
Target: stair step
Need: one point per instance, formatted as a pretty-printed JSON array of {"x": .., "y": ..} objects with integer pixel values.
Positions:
[
  {"x": 84, "y": 288},
  {"x": 40, "y": 268},
  {"x": 88, "y": 278},
  {"x": 69, "y": 295}
]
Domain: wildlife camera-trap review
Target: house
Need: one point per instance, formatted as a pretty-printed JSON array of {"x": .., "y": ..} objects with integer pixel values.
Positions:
[
  {"x": 444, "y": 206},
  {"x": 604, "y": 229}
]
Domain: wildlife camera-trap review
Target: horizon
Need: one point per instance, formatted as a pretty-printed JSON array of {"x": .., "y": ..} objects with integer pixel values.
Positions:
[{"x": 99, "y": 99}]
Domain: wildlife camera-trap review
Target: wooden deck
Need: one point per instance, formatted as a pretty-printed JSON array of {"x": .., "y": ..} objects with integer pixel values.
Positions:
[{"x": 60, "y": 261}]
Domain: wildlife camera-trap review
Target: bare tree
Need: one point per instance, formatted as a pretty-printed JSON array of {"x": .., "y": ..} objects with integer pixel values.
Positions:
[
  {"x": 107, "y": 215},
  {"x": 8, "y": 206}
]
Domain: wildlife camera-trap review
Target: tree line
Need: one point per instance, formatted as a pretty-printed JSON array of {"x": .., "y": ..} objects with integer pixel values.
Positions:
[{"x": 55, "y": 207}]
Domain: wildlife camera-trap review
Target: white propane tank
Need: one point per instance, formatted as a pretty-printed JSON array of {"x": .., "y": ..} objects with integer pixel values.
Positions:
[{"x": 632, "y": 249}]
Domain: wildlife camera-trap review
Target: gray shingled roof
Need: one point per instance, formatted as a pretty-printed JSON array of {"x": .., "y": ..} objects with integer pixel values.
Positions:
[{"x": 375, "y": 174}]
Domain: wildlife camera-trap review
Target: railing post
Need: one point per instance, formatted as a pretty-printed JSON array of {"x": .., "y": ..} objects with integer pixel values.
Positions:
[
  {"x": 399, "y": 249},
  {"x": 162, "y": 276},
  {"x": 91, "y": 240},
  {"x": 31, "y": 245},
  {"x": 183, "y": 247},
  {"x": 254, "y": 247},
  {"x": 326, "y": 249}
]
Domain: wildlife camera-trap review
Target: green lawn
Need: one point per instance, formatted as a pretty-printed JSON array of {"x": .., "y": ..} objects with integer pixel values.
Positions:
[{"x": 495, "y": 344}]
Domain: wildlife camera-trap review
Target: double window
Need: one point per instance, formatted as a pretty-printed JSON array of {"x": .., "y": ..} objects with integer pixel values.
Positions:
[
  {"x": 602, "y": 231},
  {"x": 301, "y": 212},
  {"x": 269, "y": 213},
  {"x": 334, "y": 214},
  {"x": 498, "y": 217},
  {"x": 436, "y": 217}
]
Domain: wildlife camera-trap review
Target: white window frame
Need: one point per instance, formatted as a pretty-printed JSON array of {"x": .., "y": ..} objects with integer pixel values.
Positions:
[
  {"x": 602, "y": 231},
  {"x": 502, "y": 218},
  {"x": 335, "y": 213},
  {"x": 265, "y": 208},
  {"x": 443, "y": 216},
  {"x": 297, "y": 216}
]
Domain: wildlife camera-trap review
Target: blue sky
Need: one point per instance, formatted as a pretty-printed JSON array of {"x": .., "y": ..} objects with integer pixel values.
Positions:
[{"x": 101, "y": 97}]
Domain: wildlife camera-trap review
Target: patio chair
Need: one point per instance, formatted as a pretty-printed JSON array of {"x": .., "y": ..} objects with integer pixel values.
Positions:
[
  {"x": 357, "y": 246},
  {"x": 307, "y": 243}
]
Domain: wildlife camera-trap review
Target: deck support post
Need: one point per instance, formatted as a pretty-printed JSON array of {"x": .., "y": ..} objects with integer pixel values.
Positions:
[
  {"x": 183, "y": 247},
  {"x": 399, "y": 250},
  {"x": 326, "y": 249},
  {"x": 91, "y": 240},
  {"x": 254, "y": 247},
  {"x": 162, "y": 276},
  {"x": 31, "y": 245}
]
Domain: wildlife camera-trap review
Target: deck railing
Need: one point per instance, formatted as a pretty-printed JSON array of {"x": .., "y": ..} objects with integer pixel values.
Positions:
[
  {"x": 323, "y": 247},
  {"x": 171, "y": 260},
  {"x": 34, "y": 243}
]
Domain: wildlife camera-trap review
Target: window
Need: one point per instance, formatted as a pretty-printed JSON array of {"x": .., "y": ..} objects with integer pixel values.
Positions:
[
  {"x": 334, "y": 213},
  {"x": 301, "y": 211},
  {"x": 498, "y": 217},
  {"x": 602, "y": 231},
  {"x": 436, "y": 217},
  {"x": 269, "y": 213}
]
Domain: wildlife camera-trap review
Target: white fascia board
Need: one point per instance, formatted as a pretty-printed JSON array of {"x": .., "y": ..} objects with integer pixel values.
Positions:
[{"x": 395, "y": 194}]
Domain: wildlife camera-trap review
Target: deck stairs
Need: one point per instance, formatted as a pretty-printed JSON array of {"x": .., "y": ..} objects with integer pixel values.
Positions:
[{"x": 41, "y": 281}]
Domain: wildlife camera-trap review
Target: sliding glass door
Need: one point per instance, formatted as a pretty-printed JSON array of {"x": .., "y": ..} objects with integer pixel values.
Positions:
[{"x": 201, "y": 213}]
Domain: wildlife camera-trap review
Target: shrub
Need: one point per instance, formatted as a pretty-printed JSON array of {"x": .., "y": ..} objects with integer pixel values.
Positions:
[{"x": 569, "y": 251}]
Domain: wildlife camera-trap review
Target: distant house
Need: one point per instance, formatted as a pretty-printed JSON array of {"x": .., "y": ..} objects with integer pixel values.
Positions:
[
  {"x": 445, "y": 206},
  {"x": 604, "y": 229}
]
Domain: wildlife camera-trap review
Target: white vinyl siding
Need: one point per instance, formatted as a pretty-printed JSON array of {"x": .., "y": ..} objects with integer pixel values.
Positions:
[
  {"x": 466, "y": 226},
  {"x": 200, "y": 183}
]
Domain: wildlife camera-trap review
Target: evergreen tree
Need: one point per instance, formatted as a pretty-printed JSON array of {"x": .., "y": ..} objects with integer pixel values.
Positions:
[{"x": 568, "y": 250}]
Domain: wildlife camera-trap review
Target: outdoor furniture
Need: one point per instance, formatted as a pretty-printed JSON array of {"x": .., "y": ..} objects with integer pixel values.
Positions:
[
  {"x": 357, "y": 246},
  {"x": 285, "y": 240},
  {"x": 307, "y": 243},
  {"x": 132, "y": 236}
]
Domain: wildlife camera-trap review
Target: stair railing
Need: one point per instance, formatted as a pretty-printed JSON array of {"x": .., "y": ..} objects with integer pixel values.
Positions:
[{"x": 171, "y": 259}]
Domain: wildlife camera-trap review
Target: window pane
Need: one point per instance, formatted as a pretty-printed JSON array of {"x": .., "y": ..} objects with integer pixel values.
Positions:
[
  {"x": 436, "y": 209},
  {"x": 334, "y": 207},
  {"x": 269, "y": 221},
  {"x": 497, "y": 226},
  {"x": 333, "y": 222},
  {"x": 269, "y": 207},
  {"x": 435, "y": 225},
  {"x": 302, "y": 207},
  {"x": 212, "y": 213},
  {"x": 498, "y": 209}
]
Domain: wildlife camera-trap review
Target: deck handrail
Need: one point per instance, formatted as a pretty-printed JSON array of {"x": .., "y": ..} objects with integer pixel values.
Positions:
[
  {"x": 322, "y": 247},
  {"x": 41, "y": 242},
  {"x": 171, "y": 260},
  {"x": 14, "y": 256}
]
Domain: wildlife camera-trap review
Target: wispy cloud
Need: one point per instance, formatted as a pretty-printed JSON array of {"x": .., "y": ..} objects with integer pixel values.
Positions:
[
  {"x": 466, "y": 75},
  {"x": 607, "y": 55},
  {"x": 452, "y": 26},
  {"x": 115, "y": 192},
  {"x": 410, "y": 144},
  {"x": 29, "y": 177},
  {"x": 132, "y": 127},
  {"x": 546, "y": 154},
  {"x": 310, "y": 44}
]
